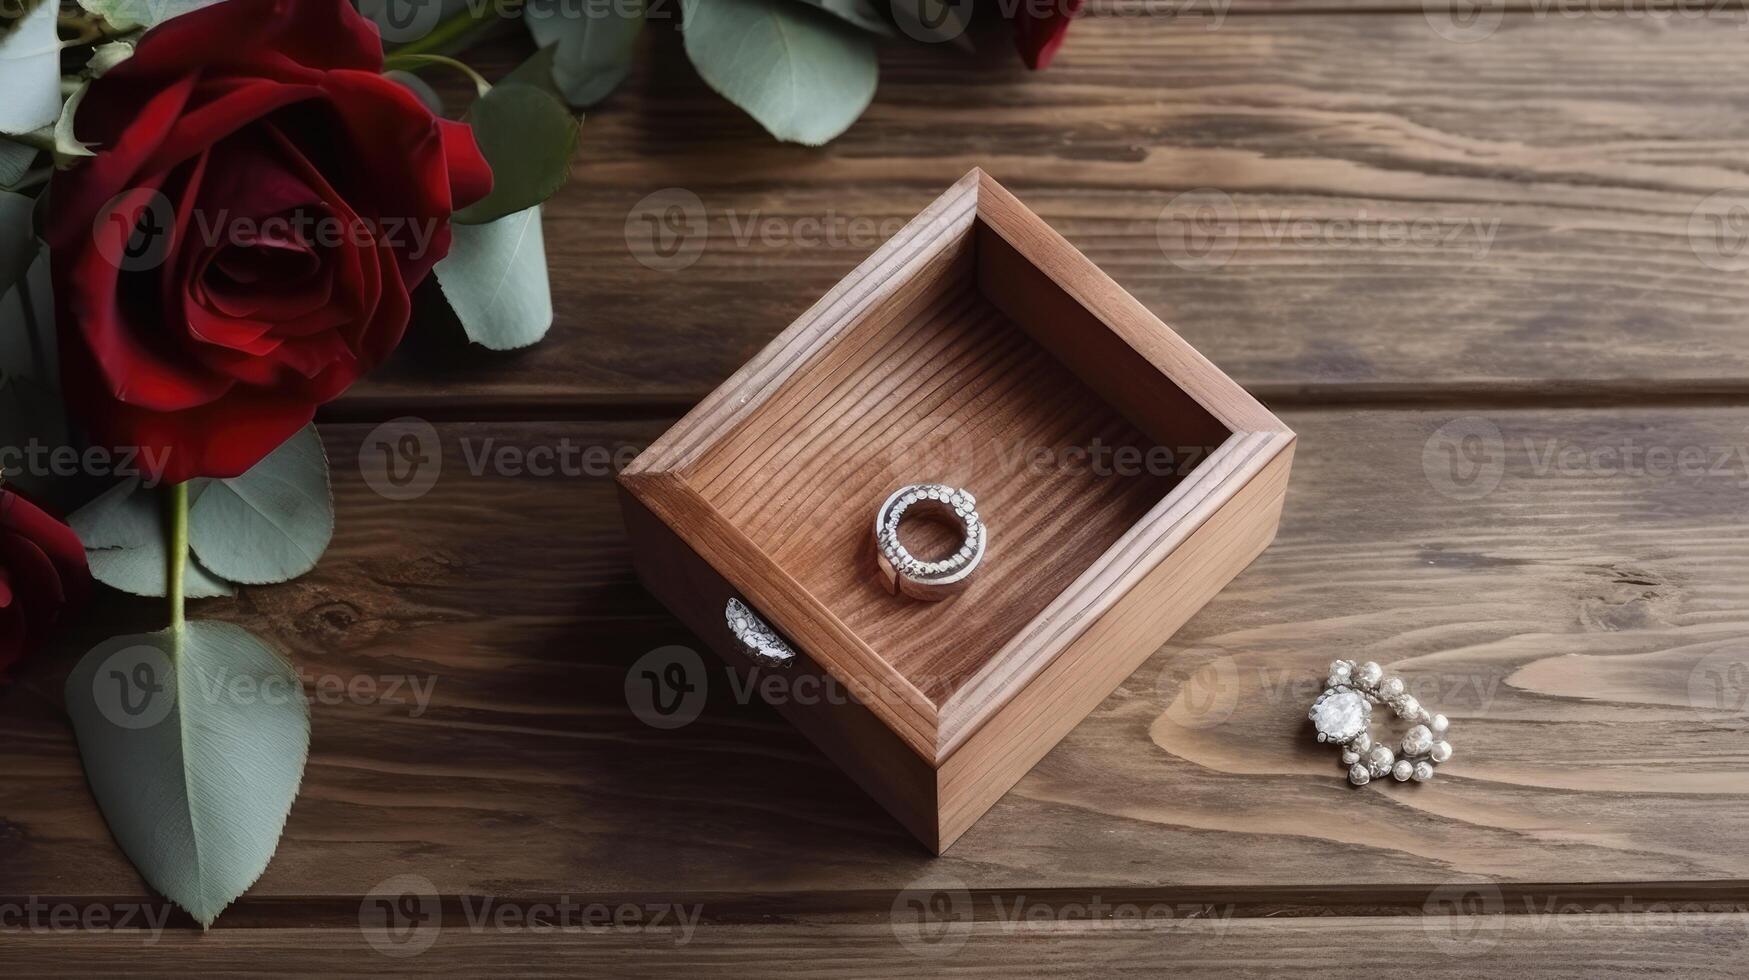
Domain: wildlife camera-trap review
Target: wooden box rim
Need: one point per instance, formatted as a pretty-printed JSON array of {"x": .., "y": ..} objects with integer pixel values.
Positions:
[{"x": 658, "y": 477}]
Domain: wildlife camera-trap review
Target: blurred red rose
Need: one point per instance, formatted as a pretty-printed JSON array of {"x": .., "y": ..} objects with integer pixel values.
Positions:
[
  {"x": 243, "y": 245},
  {"x": 1040, "y": 27},
  {"x": 42, "y": 575}
]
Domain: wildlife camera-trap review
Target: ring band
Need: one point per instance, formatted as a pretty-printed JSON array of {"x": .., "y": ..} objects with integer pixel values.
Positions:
[
  {"x": 1343, "y": 712},
  {"x": 905, "y": 573}
]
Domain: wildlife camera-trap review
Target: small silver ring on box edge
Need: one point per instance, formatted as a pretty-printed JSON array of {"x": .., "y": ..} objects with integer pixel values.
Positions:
[{"x": 907, "y": 574}]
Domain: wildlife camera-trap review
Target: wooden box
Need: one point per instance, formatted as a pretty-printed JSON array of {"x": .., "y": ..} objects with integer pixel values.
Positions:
[{"x": 977, "y": 348}]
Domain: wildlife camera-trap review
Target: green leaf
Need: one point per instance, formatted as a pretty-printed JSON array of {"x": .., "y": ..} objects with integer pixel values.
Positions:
[
  {"x": 536, "y": 71},
  {"x": 27, "y": 339},
  {"x": 127, "y": 14},
  {"x": 592, "y": 45},
  {"x": 803, "y": 75},
  {"x": 123, "y": 533},
  {"x": 865, "y": 14},
  {"x": 15, "y": 161},
  {"x": 30, "y": 53},
  {"x": 67, "y": 146},
  {"x": 528, "y": 137},
  {"x": 495, "y": 278},
  {"x": 18, "y": 242},
  {"x": 31, "y": 415},
  {"x": 194, "y": 744},
  {"x": 272, "y": 523},
  {"x": 107, "y": 56}
]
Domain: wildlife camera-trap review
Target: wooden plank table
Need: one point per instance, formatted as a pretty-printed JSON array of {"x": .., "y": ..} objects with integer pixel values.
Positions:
[{"x": 1572, "y": 587}]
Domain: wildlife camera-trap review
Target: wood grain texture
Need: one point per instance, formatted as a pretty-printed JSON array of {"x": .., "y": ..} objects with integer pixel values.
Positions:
[
  {"x": 1536, "y": 947},
  {"x": 1590, "y": 140},
  {"x": 528, "y": 774}
]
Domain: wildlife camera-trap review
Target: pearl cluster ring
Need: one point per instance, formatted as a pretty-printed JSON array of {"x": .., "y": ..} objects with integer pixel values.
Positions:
[{"x": 1343, "y": 713}]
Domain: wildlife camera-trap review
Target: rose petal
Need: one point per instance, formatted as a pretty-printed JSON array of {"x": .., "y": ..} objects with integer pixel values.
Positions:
[
  {"x": 470, "y": 176},
  {"x": 243, "y": 34}
]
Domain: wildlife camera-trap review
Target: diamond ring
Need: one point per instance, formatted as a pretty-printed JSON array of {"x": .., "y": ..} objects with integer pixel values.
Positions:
[
  {"x": 1343, "y": 712},
  {"x": 928, "y": 580}
]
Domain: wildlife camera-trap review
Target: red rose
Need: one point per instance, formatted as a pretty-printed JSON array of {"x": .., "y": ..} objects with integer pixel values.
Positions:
[
  {"x": 42, "y": 573},
  {"x": 1040, "y": 26},
  {"x": 304, "y": 194}
]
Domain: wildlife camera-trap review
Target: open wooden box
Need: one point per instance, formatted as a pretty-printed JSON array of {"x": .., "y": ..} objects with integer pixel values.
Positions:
[{"x": 976, "y": 348}]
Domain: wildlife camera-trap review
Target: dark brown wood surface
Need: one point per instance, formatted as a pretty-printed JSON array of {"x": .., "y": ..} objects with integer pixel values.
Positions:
[
  {"x": 1704, "y": 946},
  {"x": 1549, "y": 173},
  {"x": 1585, "y": 623}
]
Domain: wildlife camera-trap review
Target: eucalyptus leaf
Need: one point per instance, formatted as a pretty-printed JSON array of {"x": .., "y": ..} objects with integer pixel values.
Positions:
[
  {"x": 528, "y": 137},
  {"x": 593, "y": 44},
  {"x": 27, "y": 342},
  {"x": 30, "y": 67},
  {"x": 495, "y": 278},
  {"x": 15, "y": 161},
  {"x": 121, "y": 517},
  {"x": 67, "y": 145},
  {"x": 123, "y": 533},
  {"x": 107, "y": 56},
  {"x": 126, "y": 14},
  {"x": 18, "y": 242},
  {"x": 536, "y": 71},
  {"x": 865, "y": 14},
  {"x": 804, "y": 75},
  {"x": 31, "y": 416},
  {"x": 272, "y": 523},
  {"x": 194, "y": 742}
]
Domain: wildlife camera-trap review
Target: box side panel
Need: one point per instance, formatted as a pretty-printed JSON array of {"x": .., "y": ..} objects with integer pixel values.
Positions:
[
  {"x": 1078, "y": 338},
  {"x": 1007, "y": 746},
  {"x": 829, "y": 714},
  {"x": 1121, "y": 314}
]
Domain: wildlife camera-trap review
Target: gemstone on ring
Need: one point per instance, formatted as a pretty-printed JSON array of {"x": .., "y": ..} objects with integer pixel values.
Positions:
[{"x": 1341, "y": 714}]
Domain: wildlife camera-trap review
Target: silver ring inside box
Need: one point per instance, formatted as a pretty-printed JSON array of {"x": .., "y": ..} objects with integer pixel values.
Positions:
[{"x": 905, "y": 573}]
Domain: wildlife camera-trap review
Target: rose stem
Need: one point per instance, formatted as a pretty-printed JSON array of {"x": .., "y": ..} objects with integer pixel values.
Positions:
[{"x": 178, "y": 516}]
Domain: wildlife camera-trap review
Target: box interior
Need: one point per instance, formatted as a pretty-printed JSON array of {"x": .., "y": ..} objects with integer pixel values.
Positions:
[{"x": 986, "y": 375}]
